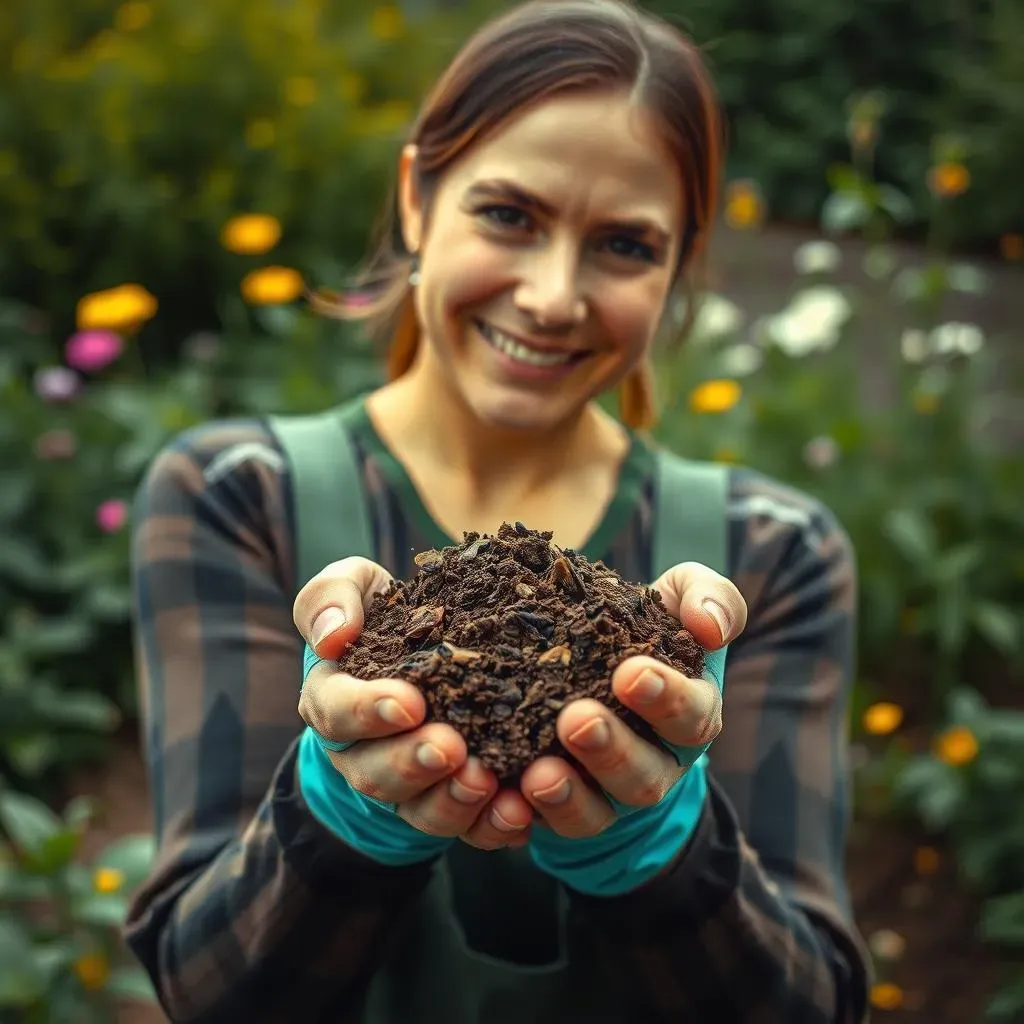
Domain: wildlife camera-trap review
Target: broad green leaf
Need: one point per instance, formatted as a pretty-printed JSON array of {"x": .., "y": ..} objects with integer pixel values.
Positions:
[
  {"x": 29, "y": 822},
  {"x": 102, "y": 911},
  {"x": 844, "y": 211},
  {"x": 1002, "y": 920},
  {"x": 132, "y": 855},
  {"x": 999, "y": 625},
  {"x": 895, "y": 203},
  {"x": 21, "y": 982},
  {"x": 1008, "y": 1003},
  {"x": 912, "y": 534}
]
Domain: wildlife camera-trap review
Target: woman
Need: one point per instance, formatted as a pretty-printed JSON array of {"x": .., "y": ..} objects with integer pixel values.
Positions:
[{"x": 558, "y": 186}]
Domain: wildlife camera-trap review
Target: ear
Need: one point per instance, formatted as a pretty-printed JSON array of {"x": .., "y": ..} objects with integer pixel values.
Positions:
[{"x": 410, "y": 202}]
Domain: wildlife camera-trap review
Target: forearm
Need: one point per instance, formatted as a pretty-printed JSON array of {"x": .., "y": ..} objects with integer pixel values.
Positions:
[
  {"x": 283, "y": 921},
  {"x": 713, "y": 938}
]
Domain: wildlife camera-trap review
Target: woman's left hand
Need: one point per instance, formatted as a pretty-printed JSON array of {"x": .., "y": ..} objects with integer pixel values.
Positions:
[{"x": 684, "y": 712}]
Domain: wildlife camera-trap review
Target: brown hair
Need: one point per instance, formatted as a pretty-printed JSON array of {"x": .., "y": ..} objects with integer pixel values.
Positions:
[{"x": 535, "y": 51}]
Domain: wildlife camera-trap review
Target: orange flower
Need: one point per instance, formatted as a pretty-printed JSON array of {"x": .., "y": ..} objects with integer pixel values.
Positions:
[
  {"x": 92, "y": 969},
  {"x": 715, "y": 396},
  {"x": 863, "y": 133},
  {"x": 251, "y": 234},
  {"x": 882, "y": 718},
  {"x": 272, "y": 286},
  {"x": 119, "y": 309},
  {"x": 926, "y": 860},
  {"x": 108, "y": 880},
  {"x": 949, "y": 179},
  {"x": 1012, "y": 247},
  {"x": 886, "y": 996},
  {"x": 744, "y": 207},
  {"x": 956, "y": 746}
]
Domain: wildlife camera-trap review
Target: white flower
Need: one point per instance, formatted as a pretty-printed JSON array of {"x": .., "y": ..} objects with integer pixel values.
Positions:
[
  {"x": 817, "y": 258},
  {"x": 914, "y": 345},
  {"x": 821, "y": 452},
  {"x": 811, "y": 322},
  {"x": 741, "y": 360},
  {"x": 954, "y": 338},
  {"x": 716, "y": 317}
]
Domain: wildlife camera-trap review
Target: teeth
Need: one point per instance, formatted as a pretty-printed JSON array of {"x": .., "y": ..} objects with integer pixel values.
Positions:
[{"x": 518, "y": 351}]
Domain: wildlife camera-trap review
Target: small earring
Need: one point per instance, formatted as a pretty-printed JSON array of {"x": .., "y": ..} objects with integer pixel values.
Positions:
[{"x": 414, "y": 273}]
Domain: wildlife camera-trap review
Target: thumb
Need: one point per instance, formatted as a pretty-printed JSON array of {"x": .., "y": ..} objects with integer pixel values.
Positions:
[
  {"x": 705, "y": 602},
  {"x": 329, "y": 610}
]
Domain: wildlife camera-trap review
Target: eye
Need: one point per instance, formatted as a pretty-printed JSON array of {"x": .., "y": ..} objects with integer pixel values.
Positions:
[
  {"x": 505, "y": 216},
  {"x": 630, "y": 248}
]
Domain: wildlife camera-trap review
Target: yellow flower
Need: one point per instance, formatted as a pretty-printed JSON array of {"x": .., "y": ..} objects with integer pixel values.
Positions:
[
  {"x": 132, "y": 16},
  {"x": 108, "y": 880},
  {"x": 925, "y": 403},
  {"x": 386, "y": 22},
  {"x": 272, "y": 286},
  {"x": 926, "y": 860},
  {"x": 251, "y": 234},
  {"x": 956, "y": 746},
  {"x": 1012, "y": 247},
  {"x": 715, "y": 396},
  {"x": 93, "y": 969},
  {"x": 260, "y": 134},
  {"x": 882, "y": 718},
  {"x": 949, "y": 179},
  {"x": 123, "y": 309},
  {"x": 744, "y": 207},
  {"x": 300, "y": 91},
  {"x": 886, "y": 996}
]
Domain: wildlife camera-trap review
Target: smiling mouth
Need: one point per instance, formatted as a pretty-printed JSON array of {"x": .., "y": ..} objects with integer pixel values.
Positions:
[{"x": 515, "y": 349}]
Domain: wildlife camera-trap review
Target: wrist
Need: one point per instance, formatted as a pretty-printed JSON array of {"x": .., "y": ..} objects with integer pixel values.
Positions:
[
  {"x": 634, "y": 850},
  {"x": 367, "y": 825}
]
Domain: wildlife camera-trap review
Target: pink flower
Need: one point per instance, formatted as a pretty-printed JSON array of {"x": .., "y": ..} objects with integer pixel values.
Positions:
[
  {"x": 55, "y": 444},
  {"x": 112, "y": 515},
  {"x": 56, "y": 383},
  {"x": 89, "y": 351}
]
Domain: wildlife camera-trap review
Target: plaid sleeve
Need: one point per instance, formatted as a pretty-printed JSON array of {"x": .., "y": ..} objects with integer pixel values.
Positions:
[
  {"x": 253, "y": 910},
  {"x": 752, "y": 923}
]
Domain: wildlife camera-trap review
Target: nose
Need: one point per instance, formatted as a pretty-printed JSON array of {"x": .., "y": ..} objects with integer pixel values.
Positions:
[{"x": 549, "y": 291}]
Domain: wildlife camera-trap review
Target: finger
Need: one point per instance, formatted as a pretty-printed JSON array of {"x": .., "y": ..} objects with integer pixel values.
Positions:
[
  {"x": 565, "y": 802},
  {"x": 506, "y": 821},
  {"x": 399, "y": 768},
  {"x": 684, "y": 712},
  {"x": 623, "y": 764},
  {"x": 452, "y": 806},
  {"x": 344, "y": 709},
  {"x": 705, "y": 602},
  {"x": 328, "y": 611}
]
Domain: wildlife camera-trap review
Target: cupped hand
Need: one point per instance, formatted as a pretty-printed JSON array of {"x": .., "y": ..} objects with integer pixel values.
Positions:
[
  {"x": 388, "y": 754},
  {"x": 685, "y": 713}
]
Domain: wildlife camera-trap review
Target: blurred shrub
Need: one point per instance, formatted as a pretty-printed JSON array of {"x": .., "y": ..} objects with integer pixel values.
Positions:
[
  {"x": 129, "y": 135},
  {"x": 61, "y": 956}
]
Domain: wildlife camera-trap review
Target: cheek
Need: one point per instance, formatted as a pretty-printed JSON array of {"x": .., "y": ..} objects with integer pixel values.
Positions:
[
  {"x": 469, "y": 272},
  {"x": 630, "y": 315}
]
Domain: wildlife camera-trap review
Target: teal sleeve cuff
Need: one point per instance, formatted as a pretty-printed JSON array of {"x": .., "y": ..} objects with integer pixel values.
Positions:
[
  {"x": 365, "y": 824},
  {"x": 631, "y": 851}
]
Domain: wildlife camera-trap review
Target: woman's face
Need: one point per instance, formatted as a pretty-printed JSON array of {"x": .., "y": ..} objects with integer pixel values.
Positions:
[{"x": 546, "y": 258}]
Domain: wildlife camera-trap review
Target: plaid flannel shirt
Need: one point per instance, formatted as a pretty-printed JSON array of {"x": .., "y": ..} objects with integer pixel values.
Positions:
[{"x": 255, "y": 912}]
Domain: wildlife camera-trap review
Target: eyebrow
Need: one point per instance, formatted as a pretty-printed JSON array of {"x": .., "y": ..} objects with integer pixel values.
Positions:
[{"x": 503, "y": 189}]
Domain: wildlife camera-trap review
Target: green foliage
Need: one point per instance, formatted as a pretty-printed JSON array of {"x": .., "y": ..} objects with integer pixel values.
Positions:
[
  {"x": 61, "y": 956},
  {"x": 785, "y": 72}
]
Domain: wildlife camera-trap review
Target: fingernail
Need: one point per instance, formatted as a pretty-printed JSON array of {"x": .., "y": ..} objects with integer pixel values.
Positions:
[
  {"x": 390, "y": 711},
  {"x": 329, "y": 621},
  {"x": 430, "y": 757},
  {"x": 592, "y": 736},
  {"x": 501, "y": 824},
  {"x": 556, "y": 794},
  {"x": 464, "y": 794},
  {"x": 719, "y": 614},
  {"x": 647, "y": 687}
]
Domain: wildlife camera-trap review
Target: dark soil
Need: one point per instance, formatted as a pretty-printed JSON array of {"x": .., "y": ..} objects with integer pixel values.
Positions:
[{"x": 500, "y": 632}]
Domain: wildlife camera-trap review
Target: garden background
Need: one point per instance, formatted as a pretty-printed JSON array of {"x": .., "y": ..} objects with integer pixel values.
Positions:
[{"x": 174, "y": 174}]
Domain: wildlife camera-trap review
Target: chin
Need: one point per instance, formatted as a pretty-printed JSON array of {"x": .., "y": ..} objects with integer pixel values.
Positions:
[{"x": 518, "y": 413}]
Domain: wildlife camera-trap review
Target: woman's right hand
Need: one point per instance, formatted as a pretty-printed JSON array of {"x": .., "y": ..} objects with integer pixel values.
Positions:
[{"x": 424, "y": 770}]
